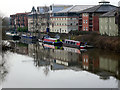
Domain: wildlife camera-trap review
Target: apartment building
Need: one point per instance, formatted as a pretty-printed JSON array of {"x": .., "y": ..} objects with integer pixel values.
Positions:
[
  {"x": 12, "y": 21},
  {"x": 19, "y": 20},
  {"x": 67, "y": 20},
  {"x": 64, "y": 24},
  {"x": 41, "y": 17},
  {"x": 109, "y": 23},
  {"x": 38, "y": 19},
  {"x": 89, "y": 18}
]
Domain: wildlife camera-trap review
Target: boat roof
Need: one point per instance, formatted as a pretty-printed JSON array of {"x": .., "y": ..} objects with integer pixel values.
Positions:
[
  {"x": 71, "y": 40},
  {"x": 52, "y": 38}
]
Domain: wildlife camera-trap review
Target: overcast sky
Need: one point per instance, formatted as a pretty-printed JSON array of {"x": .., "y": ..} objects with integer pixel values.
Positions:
[{"x": 8, "y": 7}]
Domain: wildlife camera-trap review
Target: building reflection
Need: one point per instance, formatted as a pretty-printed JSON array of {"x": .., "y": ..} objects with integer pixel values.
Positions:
[
  {"x": 4, "y": 67},
  {"x": 20, "y": 48},
  {"x": 104, "y": 64}
]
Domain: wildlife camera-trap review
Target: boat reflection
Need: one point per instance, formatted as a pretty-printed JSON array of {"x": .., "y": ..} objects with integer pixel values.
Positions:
[{"x": 99, "y": 62}]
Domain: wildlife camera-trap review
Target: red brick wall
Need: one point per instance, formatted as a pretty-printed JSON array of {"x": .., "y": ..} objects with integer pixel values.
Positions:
[
  {"x": 95, "y": 23},
  {"x": 85, "y": 60},
  {"x": 96, "y": 63},
  {"x": 85, "y": 24},
  {"x": 21, "y": 17}
]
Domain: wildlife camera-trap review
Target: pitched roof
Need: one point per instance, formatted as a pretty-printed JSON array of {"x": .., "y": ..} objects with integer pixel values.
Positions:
[
  {"x": 57, "y": 8},
  {"x": 110, "y": 13},
  {"x": 76, "y": 8},
  {"x": 99, "y": 8}
]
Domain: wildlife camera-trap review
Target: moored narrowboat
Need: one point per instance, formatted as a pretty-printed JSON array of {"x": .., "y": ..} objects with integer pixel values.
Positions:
[
  {"x": 53, "y": 41},
  {"x": 12, "y": 35},
  {"x": 74, "y": 44}
]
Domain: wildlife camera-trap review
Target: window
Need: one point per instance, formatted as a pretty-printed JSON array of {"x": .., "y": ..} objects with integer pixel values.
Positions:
[
  {"x": 86, "y": 21},
  {"x": 86, "y": 28},
  {"x": 68, "y": 42},
  {"x": 74, "y": 43},
  {"x": 86, "y": 60},
  {"x": 83, "y": 14}
]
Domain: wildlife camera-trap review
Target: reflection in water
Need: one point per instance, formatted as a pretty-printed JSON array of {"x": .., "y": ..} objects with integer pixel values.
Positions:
[
  {"x": 3, "y": 67},
  {"x": 104, "y": 64}
]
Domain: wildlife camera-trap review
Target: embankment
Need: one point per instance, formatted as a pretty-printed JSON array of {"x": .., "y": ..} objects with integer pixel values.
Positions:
[
  {"x": 102, "y": 42},
  {"x": 98, "y": 41}
]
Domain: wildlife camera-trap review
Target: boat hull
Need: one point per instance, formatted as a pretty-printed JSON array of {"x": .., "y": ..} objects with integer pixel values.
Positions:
[
  {"x": 53, "y": 43},
  {"x": 74, "y": 46}
]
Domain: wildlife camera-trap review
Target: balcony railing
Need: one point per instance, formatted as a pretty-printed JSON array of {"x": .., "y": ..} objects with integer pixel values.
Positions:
[
  {"x": 90, "y": 25},
  {"x": 90, "y": 18}
]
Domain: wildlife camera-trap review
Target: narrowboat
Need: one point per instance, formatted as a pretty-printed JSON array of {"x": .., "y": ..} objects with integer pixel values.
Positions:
[
  {"x": 53, "y": 41},
  {"x": 12, "y": 35},
  {"x": 74, "y": 44},
  {"x": 28, "y": 39}
]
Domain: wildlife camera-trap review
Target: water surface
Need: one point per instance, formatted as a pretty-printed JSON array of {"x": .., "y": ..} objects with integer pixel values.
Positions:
[{"x": 36, "y": 66}]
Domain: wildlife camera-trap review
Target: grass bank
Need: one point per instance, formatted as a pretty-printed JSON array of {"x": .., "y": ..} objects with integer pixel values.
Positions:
[{"x": 102, "y": 42}]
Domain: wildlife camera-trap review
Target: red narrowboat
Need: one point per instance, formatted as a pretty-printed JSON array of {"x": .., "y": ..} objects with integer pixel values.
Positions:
[{"x": 74, "y": 44}]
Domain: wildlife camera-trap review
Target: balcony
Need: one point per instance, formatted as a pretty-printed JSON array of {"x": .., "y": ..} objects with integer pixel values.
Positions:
[
  {"x": 80, "y": 25},
  {"x": 90, "y": 18},
  {"x": 80, "y": 18},
  {"x": 90, "y": 25}
]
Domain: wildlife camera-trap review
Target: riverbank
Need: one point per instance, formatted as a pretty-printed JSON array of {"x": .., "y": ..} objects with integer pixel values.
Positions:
[
  {"x": 102, "y": 42},
  {"x": 92, "y": 38},
  {"x": 98, "y": 41}
]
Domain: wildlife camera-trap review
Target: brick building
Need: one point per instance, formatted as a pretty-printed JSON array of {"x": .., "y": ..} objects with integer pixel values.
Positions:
[
  {"x": 67, "y": 19},
  {"x": 89, "y": 18},
  {"x": 90, "y": 64},
  {"x": 19, "y": 20},
  {"x": 12, "y": 21}
]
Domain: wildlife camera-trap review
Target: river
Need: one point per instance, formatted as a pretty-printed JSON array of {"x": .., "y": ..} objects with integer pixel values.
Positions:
[{"x": 46, "y": 66}]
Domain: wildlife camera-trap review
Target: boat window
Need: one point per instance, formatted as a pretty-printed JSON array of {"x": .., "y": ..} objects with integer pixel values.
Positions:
[
  {"x": 74, "y": 43},
  {"x": 68, "y": 42},
  {"x": 58, "y": 40}
]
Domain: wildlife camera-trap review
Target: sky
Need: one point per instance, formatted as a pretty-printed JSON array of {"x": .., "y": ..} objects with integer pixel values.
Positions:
[{"x": 8, "y": 7}]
